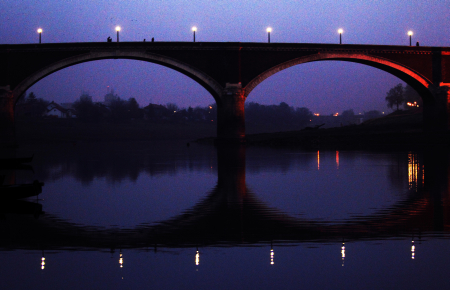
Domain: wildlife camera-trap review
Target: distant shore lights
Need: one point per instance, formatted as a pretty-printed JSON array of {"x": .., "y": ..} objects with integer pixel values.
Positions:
[
  {"x": 39, "y": 31},
  {"x": 194, "y": 29},
  {"x": 340, "y": 31},
  {"x": 118, "y": 29},
  {"x": 410, "y": 33},
  {"x": 269, "y": 30}
]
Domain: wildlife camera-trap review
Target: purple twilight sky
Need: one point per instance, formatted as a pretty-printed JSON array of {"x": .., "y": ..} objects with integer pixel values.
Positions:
[{"x": 323, "y": 87}]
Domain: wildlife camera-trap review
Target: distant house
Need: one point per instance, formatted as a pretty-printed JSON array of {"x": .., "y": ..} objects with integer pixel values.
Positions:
[
  {"x": 155, "y": 112},
  {"x": 55, "y": 110},
  {"x": 110, "y": 97}
]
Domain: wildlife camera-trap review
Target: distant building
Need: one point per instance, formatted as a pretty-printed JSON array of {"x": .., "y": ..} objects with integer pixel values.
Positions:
[
  {"x": 67, "y": 106},
  {"x": 55, "y": 110},
  {"x": 85, "y": 97},
  {"x": 154, "y": 112},
  {"x": 110, "y": 97}
]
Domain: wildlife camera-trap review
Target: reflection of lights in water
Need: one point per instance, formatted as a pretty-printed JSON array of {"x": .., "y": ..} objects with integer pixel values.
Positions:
[
  {"x": 413, "y": 171},
  {"x": 318, "y": 160},
  {"x": 271, "y": 257},
  {"x": 343, "y": 253},
  {"x": 197, "y": 258},
  {"x": 413, "y": 250},
  {"x": 121, "y": 260},
  {"x": 337, "y": 159},
  {"x": 42, "y": 263},
  {"x": 423, "y": 174}
]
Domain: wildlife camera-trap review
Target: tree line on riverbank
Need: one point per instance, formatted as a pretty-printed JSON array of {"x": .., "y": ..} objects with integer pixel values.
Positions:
[{"x": 259, "y": 117}]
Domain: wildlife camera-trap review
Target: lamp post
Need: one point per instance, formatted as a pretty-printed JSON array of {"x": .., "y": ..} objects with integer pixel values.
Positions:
[
  {"x": 340, "y": 31},
  {"x": 194, "y": 29},
  {"x": 269, "y": 30},
  {"x": 410, "y": 33},
  {"x": 40, "y": 32},
  {"x": 117, "y": 29}
]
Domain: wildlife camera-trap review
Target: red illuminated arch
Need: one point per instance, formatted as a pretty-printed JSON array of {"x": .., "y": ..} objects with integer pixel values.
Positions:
[{"x": 420, "y": 83}]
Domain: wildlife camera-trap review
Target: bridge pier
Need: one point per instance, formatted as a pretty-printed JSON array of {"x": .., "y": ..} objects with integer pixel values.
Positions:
[
  {"x": 436, "y": 114},
  {"x": 231, "y": 115},
  {"x": 7, "y": 126}
]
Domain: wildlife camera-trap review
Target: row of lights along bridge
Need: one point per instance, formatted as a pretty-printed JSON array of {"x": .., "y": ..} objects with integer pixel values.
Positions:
[{"x": 269, "y": 30}]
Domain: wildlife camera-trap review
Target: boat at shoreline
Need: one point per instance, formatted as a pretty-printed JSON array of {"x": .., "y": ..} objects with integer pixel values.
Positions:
[{"x": 19, "y": 191}]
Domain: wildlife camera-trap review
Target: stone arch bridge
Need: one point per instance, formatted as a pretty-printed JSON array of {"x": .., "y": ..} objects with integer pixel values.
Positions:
[{"x": 229, "y": 70}]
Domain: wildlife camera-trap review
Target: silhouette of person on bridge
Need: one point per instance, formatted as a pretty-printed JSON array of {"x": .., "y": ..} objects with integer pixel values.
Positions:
[{"x": 109, "y": 39}]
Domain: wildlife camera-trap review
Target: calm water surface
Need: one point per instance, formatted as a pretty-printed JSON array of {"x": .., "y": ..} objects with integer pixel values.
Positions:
[{"x": 167, "y": 216}]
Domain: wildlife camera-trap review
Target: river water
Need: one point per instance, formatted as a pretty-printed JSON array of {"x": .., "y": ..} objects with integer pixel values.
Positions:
[{"x": 164, "y": 215}]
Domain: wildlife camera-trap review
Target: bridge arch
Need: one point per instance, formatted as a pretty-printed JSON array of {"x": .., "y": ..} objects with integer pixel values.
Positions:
[
  {"x": 197, "y": 75},
  {"x": 420, "y": 83}
]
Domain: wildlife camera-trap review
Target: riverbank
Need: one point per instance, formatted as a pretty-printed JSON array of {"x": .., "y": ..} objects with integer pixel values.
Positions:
[
  {"x": 72, "y": 131},
  {"x": 352, "y": 137},
  {"x": 401, "y": 129}
]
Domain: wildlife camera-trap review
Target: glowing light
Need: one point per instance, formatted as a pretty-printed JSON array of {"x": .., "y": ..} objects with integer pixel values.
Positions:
[
  {"x": 340, "y": 31},
  {"x": 271, "y": 257},
  {"x": 194, "y": 29},
  {"x": 343, "y": 253},
  {"x": 410, "y": 33},
  {"x": 121, "y": 260},
  {"x": 42, "y": 263},
  {"x": 40, "y": 34},
  {"x": 118, "y": 29},
  {"x": 335, "y": 115},
  {"x": 316, "y": 114},
  {"x": 413, "y": 251},
  {"x": 197, "y": 258},
  {"x": 269, "y": 30}
]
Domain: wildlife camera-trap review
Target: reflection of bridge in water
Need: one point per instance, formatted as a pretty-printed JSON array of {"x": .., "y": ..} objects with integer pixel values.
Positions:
[{"x": 231, "y": 215}]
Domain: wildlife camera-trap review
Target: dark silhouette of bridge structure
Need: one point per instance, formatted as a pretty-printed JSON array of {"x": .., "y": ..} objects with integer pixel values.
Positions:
[{"x": 229, "y": 70}]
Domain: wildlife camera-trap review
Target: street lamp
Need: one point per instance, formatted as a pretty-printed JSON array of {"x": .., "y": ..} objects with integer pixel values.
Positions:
[
  {"x": 40, "y": 32},
  {"x": 410, "y": 33},
  {"x": 269, "y": 30},
  {"x": 194, "y": 29},
  {"x": 117, "y": 29},
  {"x": 340, "y": 31}
]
